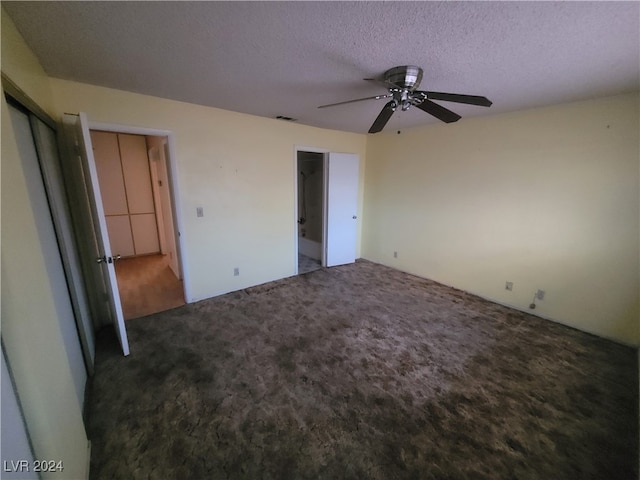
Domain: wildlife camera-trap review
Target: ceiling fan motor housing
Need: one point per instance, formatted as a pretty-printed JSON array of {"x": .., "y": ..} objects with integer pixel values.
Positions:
[{"x": 407, "y": 76}]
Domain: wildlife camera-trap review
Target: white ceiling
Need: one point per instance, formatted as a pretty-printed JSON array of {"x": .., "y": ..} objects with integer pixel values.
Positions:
[{"x": 287, "y": 58}]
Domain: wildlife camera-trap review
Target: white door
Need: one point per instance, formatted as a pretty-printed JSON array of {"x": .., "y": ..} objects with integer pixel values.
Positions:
[
  {"x": 342, "y": 208},
  {"x": 76, "y": 129}
]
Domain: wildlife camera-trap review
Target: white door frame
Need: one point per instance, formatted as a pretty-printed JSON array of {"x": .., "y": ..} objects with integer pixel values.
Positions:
[
  {"x": 173, "y": 178},
  {"x": 325, "y": 154}
]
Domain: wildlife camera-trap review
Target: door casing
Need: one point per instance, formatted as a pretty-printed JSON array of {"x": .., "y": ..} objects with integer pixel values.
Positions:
[
  {"x": 325, "y": 193},
  {"x": 174, "y": 188}
]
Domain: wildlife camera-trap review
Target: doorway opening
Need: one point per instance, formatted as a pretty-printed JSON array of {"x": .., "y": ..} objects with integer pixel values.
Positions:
[
  {"x": 310, "y": 170},
  {"x": 135, "y": 187}
]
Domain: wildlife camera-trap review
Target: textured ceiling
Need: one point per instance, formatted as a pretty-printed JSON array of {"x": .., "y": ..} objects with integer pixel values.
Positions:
[{"x": 287, "y": 58}]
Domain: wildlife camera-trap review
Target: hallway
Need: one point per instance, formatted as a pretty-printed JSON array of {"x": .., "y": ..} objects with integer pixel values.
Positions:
[{"x": 147, "y": 285}]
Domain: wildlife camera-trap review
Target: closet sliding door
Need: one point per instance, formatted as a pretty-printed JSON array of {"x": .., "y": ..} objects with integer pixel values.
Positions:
[
  {"x": 137, "y": 180},
  {"x": 114, "y": 198},
  {"x": 127, "y": 195}
]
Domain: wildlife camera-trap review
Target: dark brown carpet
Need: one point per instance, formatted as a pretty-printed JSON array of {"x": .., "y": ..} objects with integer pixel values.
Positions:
[{"x": 361, "y": 372}]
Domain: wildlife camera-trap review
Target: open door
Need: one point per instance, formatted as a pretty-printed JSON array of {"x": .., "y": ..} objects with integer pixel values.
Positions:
[
  {"x": 342, "y": 208},
  {"x": 98, "y": 262}
]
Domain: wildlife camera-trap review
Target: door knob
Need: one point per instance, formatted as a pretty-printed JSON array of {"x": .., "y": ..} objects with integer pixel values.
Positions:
[{"x": 101, "y": 259}]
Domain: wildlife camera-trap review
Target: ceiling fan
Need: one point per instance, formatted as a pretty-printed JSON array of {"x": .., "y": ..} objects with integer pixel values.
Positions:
[{"x": 402, "y": 83}]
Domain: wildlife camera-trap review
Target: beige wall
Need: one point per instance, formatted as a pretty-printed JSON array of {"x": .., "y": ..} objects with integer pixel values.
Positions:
[
  {"x": 545, "y": 198},
  {"x": 30, "y": 329},
  {"x": 239, "y": 168},
  {"x": 22, "y": 67}
]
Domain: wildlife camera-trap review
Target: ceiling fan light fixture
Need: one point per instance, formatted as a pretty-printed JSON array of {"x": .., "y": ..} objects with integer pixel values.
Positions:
[
  {"x": 402, "y": 83},
  {"x": 404, "y": 99}
]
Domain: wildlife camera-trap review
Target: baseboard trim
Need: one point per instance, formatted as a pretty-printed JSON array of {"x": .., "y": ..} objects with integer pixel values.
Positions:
[{"x": 514, "y": 307}]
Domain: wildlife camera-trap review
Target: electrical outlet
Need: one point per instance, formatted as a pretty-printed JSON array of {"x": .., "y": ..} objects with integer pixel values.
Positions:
[
  {"x": 395, "y": 254},
  {"x": 236, "y": 272},
  {"x": 540, "y": 294},
  {"x": 199, "y": 212},
  {"x": 508, "y": 286}
]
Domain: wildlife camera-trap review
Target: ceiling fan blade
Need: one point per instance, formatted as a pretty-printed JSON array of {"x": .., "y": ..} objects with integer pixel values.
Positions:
[
  {"x": 375, "y": 97},
  {"x": 383, "y": 117},
  {"x": 455, "y": 97},
  {"x": 438, "y": 111}
]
